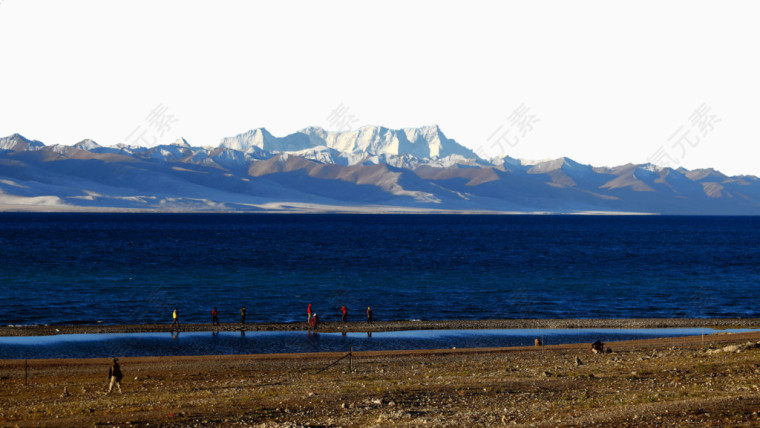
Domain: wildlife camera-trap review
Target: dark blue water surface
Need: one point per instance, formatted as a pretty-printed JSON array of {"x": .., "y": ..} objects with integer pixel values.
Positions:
[
  {"x": 134, "y": 268},
  {"x": 209, "y": 343}
]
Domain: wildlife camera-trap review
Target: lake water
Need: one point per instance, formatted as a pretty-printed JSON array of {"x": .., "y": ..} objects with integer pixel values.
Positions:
[{"x": 135, "y": 268}]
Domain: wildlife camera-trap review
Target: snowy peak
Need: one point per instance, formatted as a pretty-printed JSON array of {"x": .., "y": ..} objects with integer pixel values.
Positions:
[
  {"x": 425, "y": 142},
  {"x": 87, "y": 144},
  {"x": 427, "y": 138},
  {"x": 371, "y": 140},
  {"x": 255, "y": 138},
  {"x": 181, "y": 142},
  {"x": 19, "y": 143},
  {"x": 652, "y": 167}
]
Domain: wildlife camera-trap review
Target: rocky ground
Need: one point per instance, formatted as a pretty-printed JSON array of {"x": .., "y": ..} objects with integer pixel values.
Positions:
[{"x": 710, "y": 381}]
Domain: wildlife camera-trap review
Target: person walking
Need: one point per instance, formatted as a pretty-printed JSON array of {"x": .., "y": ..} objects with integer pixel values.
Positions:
[
  {"x": 114, "y": 376},
  {"x": 308, "y": 313},
  {"x": 175, "y": 318},
  {"x": 214, "y": 316},
  {"x": 242, "y": 315},
  {"x": 314, "y": 322},
  {"x": 369, "y": 314},
  {"x": 343, "y": 312}
]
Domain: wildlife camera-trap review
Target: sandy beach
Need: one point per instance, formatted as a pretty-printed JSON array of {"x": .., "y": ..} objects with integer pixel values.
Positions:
[{"x": 693, "y": 381}]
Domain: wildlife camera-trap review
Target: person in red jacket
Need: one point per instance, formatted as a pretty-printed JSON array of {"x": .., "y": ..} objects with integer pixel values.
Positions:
[
  {"x": 343, "y": 312},
  {"x": 314, "y": 322},
  {"x": 214, "y": 317},
  {"x": 308, "y": 313}
]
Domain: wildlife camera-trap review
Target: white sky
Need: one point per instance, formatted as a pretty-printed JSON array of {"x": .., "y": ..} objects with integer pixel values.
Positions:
[{"x": 608, "y": 81}]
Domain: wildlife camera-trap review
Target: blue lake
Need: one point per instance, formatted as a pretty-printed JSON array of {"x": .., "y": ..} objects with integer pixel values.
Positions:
[{"x": 135, "y": 268}]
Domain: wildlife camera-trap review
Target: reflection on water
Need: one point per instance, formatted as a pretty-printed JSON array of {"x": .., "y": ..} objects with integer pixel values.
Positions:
[{"x": 201, "y": 343}]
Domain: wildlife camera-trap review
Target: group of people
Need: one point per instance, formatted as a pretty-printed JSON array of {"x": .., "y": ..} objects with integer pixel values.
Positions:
[
  {"x": 312, "y": 318},
  {"x": 214, "y": 317}
]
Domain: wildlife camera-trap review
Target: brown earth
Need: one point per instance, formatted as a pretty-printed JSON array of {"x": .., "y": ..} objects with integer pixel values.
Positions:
[{"x": 691, "y": 381}]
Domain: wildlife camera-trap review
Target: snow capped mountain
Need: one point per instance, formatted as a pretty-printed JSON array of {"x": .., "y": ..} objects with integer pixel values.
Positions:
[
  {"x": 261, "y": 139},
  {"x": 181, "y": 143},
  {"x": 413, "y": 168},
  {"x": 403, "y": 148},
  {"x": 322, "y": 154},
  {"x": 87, "y": 144},
  {"x": 18, "y": 142},
  {"x": 247, "y": 140},
  {"x": 424, "y": 143}
]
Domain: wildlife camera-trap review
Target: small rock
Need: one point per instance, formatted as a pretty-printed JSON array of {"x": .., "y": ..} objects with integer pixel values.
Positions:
[
  {"x": 731, "y": 348},
  {"x": 578, "y": 361}
]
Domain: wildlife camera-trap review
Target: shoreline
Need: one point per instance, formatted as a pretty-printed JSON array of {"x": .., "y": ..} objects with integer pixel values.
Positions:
[
  {"x": 685, "y": 381},
  {"x": 381, "y": 326},
  {"x": 708, "y": 342}
]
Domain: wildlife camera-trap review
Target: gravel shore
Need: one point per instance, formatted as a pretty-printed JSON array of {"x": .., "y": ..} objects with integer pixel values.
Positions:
[
  {"x": 394, "y": 325},
  {"x": 692, "y": 381}
]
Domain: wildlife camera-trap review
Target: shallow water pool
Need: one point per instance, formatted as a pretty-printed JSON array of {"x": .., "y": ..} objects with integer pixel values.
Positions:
[{"x": 259, "y": 342}]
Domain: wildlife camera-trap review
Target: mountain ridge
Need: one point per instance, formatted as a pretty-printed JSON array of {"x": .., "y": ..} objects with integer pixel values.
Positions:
[{"x": 409, "y": 169}]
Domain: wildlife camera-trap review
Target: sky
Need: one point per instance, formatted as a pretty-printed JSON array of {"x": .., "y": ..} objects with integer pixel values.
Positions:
[{"x": 605, "y": 83}]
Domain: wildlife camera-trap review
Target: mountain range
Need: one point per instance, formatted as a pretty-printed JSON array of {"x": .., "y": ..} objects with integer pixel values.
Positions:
[{"x": 371, "y": 169}]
